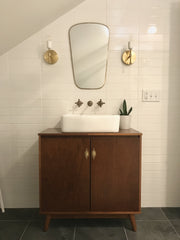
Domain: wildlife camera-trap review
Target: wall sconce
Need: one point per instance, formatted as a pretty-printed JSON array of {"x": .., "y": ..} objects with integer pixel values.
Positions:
[
  {"x": 50, "y": 56},
  {"x": 129, "y": 56}
]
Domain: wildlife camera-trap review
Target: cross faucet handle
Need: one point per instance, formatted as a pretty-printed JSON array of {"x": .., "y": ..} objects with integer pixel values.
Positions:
[
  {"x": 79, "y": 103},
  {"x": 100, "y": 103}
]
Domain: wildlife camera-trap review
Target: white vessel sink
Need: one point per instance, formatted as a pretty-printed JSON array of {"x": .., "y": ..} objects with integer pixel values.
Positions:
[{"x": 90, "y": 123}]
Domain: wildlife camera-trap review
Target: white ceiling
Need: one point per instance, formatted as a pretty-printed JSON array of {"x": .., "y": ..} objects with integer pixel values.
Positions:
[{"x": 19, "y": 19}]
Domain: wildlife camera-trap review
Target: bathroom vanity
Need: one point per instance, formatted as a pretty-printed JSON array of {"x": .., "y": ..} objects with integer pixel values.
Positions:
[{"x": 90, "y": 175}]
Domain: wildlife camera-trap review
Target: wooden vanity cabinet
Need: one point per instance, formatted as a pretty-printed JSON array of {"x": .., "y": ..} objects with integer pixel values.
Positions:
[
  {"x": 65, "y": 174},
  {"x": 114, "y": 174},
  {"x": 90, "y": 175}
]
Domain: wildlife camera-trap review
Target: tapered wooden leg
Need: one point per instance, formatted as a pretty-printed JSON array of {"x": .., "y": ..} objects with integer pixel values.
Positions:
[
  {"x": 133, "y": 222},
  {"x": 47, "y": 221}
]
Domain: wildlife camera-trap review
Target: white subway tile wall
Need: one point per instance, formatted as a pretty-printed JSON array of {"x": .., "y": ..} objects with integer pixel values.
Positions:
[{"x": 34, "y": 95}]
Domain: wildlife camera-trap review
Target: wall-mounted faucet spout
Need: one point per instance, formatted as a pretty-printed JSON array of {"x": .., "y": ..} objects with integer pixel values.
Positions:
[{"x": 89, "y": 103}]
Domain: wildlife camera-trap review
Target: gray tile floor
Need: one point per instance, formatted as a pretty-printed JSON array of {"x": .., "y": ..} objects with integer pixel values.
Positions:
[{"x": 152, "y": 224}]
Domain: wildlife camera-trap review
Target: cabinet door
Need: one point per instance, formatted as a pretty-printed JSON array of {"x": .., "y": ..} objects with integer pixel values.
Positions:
[
  {"x": 64, "y": 174},
  {"x": 115, "y": 174}
]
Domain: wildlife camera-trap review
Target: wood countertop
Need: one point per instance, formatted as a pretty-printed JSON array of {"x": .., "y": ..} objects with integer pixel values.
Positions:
[{"x": 58, "y": 132}]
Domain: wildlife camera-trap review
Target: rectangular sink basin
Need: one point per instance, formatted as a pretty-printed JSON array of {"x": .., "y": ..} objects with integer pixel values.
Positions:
[{"x": 90, "y": 123}]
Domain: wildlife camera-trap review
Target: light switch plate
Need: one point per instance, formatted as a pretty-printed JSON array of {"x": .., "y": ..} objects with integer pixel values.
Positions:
[{"x": 151, "y": 95}]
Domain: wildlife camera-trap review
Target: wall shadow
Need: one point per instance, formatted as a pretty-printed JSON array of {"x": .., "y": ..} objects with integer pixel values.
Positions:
[{"x": 173, "y": 110}]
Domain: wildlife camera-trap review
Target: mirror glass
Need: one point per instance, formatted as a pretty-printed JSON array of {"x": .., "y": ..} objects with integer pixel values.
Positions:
[{"x": 89, "y": 44}]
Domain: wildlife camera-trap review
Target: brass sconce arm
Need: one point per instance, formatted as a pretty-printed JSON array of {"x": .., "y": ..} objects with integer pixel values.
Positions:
[{"x": 129, "y": 56}]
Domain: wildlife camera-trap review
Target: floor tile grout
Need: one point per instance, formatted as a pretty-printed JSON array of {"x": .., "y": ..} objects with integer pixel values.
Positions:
[
  {"x": 174, "y": 228},
  {"x": 170, "y": 223},
  {"x": 27, "y": 226},
  {"x": 164, "y": 214},
  {"x": 152, "y": 220},
  {"x": 13, "y": 220},
  {"x": 74, "y": 234},
  {"x": 125, "y": 233},
  {"x": 176, "y": 218}
]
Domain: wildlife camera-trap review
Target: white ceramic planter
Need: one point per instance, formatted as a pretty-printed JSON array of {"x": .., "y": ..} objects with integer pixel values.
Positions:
[{"x": 125, "y": 122}]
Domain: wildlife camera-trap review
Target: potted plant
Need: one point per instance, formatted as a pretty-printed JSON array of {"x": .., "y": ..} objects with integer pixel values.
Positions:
[{"x": 125, "y": 120}]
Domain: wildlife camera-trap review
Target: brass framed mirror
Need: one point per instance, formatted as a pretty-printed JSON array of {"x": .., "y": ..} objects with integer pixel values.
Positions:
[{"x": 89, "y": 45}]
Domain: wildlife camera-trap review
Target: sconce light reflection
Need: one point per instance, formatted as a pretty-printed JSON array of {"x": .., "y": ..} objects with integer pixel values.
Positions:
[{"x": 152, "y": 29}]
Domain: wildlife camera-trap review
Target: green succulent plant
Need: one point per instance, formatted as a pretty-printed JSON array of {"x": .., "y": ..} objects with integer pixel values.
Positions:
[{"x": 123, "y": 110}]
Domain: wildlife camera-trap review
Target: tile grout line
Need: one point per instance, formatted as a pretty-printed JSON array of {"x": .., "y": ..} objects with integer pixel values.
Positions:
[
  {"x": 74, "y": 234},
  {"x": 14, "y": 220},
  {"x": 170, "y": 223},
  {"x": 27, "y": 226},
  {"x": 152, "y": 220},
  {"x": 125, "y": 232}
]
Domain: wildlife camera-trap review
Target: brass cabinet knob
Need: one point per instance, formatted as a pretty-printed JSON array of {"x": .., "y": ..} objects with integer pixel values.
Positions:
[
  {"x": 86, "y": 153},
  {"x": 93, "y": 153}
]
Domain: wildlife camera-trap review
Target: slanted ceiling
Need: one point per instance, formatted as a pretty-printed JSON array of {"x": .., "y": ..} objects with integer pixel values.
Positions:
[{"x": 19, "y": 19}]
